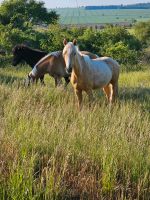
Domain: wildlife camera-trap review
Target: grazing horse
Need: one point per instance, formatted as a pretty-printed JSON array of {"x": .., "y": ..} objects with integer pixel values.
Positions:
[
  {"x": 88, "y": 74},
  {"x": 54, "y": 65},
  {"x": 31, "y": 56}
]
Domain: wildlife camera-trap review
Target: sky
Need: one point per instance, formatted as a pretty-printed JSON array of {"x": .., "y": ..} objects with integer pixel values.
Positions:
[{"x": 76, "y": 3}]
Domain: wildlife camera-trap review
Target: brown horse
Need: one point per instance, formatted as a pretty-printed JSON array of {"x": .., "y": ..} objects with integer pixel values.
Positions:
[
  {"x": 88, "y": 74},
  {"x": 54, "y": 65}
]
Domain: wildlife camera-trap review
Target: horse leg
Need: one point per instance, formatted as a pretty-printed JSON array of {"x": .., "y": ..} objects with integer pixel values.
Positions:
[
  {"x": 90, "y": 95},
  {"x": 42, "y": 80},
  {"x": 115, "y": 91},
  {"x": 108, "y": 90},
  {"x": 58, "y": 81},
  {"x": 79, "y": 98},
  {"x": 67, "y": 80}
]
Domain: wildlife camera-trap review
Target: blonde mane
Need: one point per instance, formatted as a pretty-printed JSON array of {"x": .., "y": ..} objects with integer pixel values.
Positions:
[{"x": 86, "y": 58}]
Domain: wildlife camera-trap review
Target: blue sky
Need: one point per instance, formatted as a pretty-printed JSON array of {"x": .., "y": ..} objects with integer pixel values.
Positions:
[{"x": 74, "y": 3}]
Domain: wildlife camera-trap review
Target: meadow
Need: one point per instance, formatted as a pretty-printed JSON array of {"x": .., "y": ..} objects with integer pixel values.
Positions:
[
  {"x": 49, "y": 150},
  {"x": 82, "y": 16}
]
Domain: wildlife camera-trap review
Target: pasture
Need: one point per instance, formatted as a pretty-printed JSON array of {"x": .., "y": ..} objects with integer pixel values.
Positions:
[
  {"x": 49, "y": 150},
  {"x": 82, "y": 16}
]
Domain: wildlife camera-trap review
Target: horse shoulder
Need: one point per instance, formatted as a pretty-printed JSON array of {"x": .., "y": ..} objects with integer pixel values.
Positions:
[
  {"x": 57, "y": 66},
  {"x": 43, "y": 66}
]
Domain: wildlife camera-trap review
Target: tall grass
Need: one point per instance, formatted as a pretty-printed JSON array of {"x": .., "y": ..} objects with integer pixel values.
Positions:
[{"x": 49, "y": 150}]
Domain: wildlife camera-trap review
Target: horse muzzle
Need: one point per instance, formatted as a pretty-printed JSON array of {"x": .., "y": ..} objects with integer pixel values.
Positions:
[{"x": 28, "y": 80}]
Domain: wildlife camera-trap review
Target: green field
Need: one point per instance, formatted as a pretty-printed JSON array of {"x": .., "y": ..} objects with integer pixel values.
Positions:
[
  {"x": 82, "y": 16},
  {"x": 49, "y": 150}
]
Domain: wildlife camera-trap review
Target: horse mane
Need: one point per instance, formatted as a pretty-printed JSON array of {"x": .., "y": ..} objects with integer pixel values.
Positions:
[
  {"x": 55, "y": 54},
  {"x": 86, "y": 58},
  {"x": 17, "y": 47},
  {"x": 23, "y": 47}
]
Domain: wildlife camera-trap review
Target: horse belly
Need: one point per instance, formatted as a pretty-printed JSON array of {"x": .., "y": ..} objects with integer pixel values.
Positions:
[{"x": 102, "y": 75}]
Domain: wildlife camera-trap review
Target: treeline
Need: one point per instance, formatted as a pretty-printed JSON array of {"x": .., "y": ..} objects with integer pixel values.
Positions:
[
  {"x": 112, "y": 41},
  {"x": 133, "y": 6},
  {"x": 23, "y": 13}
]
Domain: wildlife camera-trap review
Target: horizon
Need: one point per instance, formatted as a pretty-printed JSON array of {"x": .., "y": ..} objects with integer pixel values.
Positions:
[{"x": 83, "y": 3}]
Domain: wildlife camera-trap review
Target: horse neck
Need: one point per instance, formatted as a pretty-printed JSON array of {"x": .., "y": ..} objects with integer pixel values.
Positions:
[
  {"x": 78, "y": 64},
  {"x": 32, "y": 56}
]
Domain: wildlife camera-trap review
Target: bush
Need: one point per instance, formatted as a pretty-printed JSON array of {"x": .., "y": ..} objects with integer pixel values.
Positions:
[
  {"x": 10, "y": 36},
  {"x": 53, "y": 38},
  {"x": 5, "y": 60},
  {"x": 112, "y": 41},
  {"x": 142, "y": 31},
  {"x": 122, "y": 53}
]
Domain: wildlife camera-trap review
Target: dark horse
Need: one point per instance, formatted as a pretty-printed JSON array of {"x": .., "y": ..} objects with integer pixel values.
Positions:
[{"x": 31, "y": 56}]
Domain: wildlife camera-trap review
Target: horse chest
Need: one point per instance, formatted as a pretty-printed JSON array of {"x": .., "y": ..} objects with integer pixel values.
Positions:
[{"x": 79, "y": 82}]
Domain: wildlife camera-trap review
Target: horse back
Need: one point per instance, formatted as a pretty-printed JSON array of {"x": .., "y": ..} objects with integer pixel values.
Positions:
[
  {"x": 52, "y": 64},
  {"x": 91, "y": 55},
  {"x": 113, "y": 65}
]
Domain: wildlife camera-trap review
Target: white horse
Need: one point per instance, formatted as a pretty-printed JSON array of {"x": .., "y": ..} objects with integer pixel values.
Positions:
[{"x": 88, "y": 74}]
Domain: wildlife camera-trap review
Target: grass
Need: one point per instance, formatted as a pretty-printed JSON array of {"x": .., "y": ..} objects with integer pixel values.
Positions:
[
  {"x": 49, "y": 150},
  {"x": 82, "y": 16}
]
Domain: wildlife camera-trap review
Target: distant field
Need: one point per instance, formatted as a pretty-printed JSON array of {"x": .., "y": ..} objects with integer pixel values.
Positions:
[{"x": 82, "y": 16}]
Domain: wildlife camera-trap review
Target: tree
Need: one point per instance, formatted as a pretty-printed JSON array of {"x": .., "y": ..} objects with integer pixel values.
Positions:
[
  {"x": 25, "y": 11},
  {"x": 142, "y": 31},
  {"x": 53, "y": 37},
  {"x": 10, "y": 37},
  {"x": 123, "y": 54},
  {"x": 117, "y": 34},
  {"x": 90, "y": 40}
]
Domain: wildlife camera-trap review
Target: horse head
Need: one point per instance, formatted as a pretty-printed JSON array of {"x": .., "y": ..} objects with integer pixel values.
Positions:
[
  {"x": 69, "y": 53},
  {"x": 18, "y": 52},
  {"x": 30, "y": 79}
]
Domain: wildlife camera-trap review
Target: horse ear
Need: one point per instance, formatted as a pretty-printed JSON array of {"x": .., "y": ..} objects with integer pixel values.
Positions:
[
  {"x": 74, "y": 42},
  {"x": 64, "y": 42}
]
